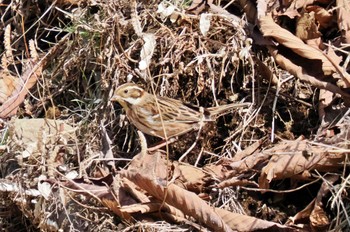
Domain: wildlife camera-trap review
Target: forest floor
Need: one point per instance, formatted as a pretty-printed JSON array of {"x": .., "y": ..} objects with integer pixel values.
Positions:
[{"x": 70, "y": 159}]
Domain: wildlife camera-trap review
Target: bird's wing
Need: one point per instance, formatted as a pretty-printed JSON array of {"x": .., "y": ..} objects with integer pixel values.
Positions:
[{"x": 175, "y": 111}]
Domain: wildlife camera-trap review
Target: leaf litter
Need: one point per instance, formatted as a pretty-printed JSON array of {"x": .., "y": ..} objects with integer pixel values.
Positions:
[{"x": 70, "y": 160}]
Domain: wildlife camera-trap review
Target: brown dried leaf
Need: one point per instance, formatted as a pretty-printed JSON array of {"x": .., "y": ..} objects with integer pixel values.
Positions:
[
  {"x": 149, "y": 176},
  {"x": 141, "y": 208},
  {"x": 318, "y": 218},
  {"x": 299, "y": 72},
  {"x": 228, "y": 168},
  {"x": 108, "y": 191},
  {"x": 134, "y": 191},
  {"x": 316, "y": 42},
  {"x": 28, "y": 131},
  {"x": 323, "y": 16},
  {"x": 306, "y": 28},
  {"x": 291, "y": 13},
  {"x": 191, "y": 178},
  {"x": 269, "y": 28},
  {"x": 153, "y": 207},
  {"x": 32, "y": 71},
  {"x": 325, "y": 99},
  {"x": 14, "y": 90},
  {"x": 220, "y": 170},
  {"x": 285, "y": 166},
  {"x": 342, "y": 76},
  {"x": 113, "y": 205},
  {"x": 301, "y": 157},
  {"x": 343, "y": 9},
  {"x": 7, "y": 85},
  {"x": 294, "y": 6},
  {"x": 247, "y": 223},
  {"x": 251, "y": 149},
  {"x": 29, "y": 78},
  {"x": 304, "y": 214}
]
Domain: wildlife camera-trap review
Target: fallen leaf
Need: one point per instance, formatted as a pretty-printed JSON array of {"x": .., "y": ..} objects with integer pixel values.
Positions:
[
  {"x": 301, "y": 73},
  {"x": 191, "y": 178},
  {"x": 269, "y": 28},
  {"x": 301, "y": 158},
  {"x": 343, "y": 10},
  {"x": 8, "y": 84},
  {"x": 144, "y": 175},
  {"x": 323, "y": 16},
  {"x": 306, "y": 28},
  {"x": 241, "y": 222},
  {"x": 147, "y": 51},
  {"x": 204, "y": 23}
]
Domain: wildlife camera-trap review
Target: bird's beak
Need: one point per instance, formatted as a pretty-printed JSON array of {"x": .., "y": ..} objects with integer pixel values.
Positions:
[{"x": 115, "y": 98}]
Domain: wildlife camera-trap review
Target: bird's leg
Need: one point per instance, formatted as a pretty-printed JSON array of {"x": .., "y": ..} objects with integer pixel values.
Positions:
[
  {"x": 162, "y": 144},
  {"x": 201, "y": 124}
]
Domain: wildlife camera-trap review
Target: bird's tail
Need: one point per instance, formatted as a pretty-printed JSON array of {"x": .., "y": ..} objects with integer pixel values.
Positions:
[{"x": 218, "y": 111}]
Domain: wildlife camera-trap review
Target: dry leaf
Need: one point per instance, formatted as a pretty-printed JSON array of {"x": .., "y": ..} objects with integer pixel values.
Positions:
[
  {"x": 301, "y": 158},
  {"x": 228, "y": 168},
  {"x": 249, "y": 150},
  {"x": 343, "y": 9},
  {"x": 269, "y": 28},
  {"x": 325, "y": 99},
  {"x": 29, "y": 78},
  {"x": 147, "y": 51},
  {"x": 323, "y": 16},
  {"x": 241, "y": 222},
  {"x": 191, "y": 178},
  {"x": 29, "y": 133},
  {"x": 149, "y": 175},
  {"x": 294, "y": 7},
  {"x": 287, "y": 165},
  {"x": 299, "y": 72},
  {"x": 304, "y": 214},
  {"x": 164, "y": 10},
  {"x": 306, "y": 28},
  {"x": 44, "y": 188},
  {"x": 317, "y": 216},
  {"x": 8, "y": 84},
  {"x": 204, "y": 23}
]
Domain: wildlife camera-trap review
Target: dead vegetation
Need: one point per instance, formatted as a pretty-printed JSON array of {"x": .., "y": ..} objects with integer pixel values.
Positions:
[{"x": 70, "y": 159}]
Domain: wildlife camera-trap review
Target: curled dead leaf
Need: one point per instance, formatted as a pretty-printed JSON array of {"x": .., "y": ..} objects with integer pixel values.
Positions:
[
  {"x": 287, "y": 39},
  {"x": 145, "y": 176}
]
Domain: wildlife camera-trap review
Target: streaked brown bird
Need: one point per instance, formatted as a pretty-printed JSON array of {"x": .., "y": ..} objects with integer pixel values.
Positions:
[{"x": 165, "y": 117}]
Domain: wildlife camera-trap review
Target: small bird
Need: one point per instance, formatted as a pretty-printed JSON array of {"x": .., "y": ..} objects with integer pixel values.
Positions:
[{"x": 165, "y": 117}]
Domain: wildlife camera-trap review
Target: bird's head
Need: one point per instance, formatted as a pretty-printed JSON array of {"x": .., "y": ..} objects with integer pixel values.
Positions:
[{"x": 128, "y": 94}]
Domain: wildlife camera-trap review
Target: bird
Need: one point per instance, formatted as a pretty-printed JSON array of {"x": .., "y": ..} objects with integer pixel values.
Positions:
[{"x": 165, "y": 117}]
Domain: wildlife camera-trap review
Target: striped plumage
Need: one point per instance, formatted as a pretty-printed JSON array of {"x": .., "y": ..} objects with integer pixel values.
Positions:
[{"x": 164, "y": 117}]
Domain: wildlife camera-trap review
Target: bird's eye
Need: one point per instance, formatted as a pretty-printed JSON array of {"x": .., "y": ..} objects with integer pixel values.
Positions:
[{"x": 126, "y": 91}]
